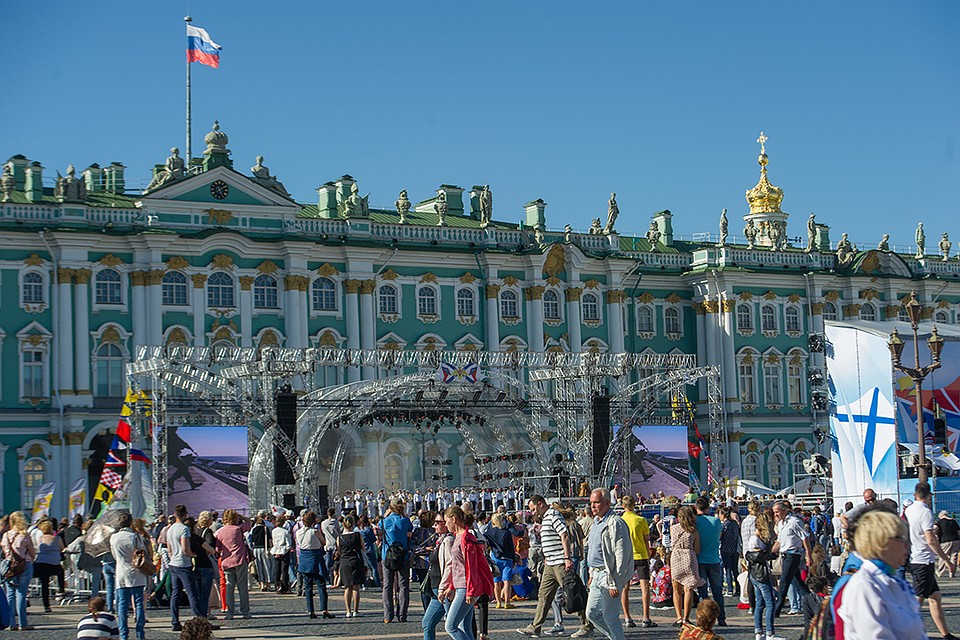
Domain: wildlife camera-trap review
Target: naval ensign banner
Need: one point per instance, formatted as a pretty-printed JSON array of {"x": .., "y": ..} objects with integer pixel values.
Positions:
[{"x": 862, "y": 425}]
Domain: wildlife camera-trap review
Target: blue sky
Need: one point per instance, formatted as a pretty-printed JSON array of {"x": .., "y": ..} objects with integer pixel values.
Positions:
[
  {"x": 216, "y": 441},
  {"x": 565, "y": 101}
]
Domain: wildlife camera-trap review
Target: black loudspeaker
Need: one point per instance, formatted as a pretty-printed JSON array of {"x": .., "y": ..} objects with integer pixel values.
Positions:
[
  {"x": 290, "y": 501},
  {"x": 601, "y": 430},
  {"x": 323, "y": 499},
  {"x": 939, "y": 431},
  {"x": 282, "y": 472},
  {"x": 287, "y": 413}
]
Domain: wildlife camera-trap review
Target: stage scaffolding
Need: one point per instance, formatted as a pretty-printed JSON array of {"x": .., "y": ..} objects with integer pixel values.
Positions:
[{"x": 537, "y": 402}]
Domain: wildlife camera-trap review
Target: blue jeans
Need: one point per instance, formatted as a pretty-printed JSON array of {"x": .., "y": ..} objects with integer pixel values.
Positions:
[
  {"x": 603, "y": 610},
  {"x": 17, "y": 594},
  {"x": 123, "y": 609},
  {"x": 432, "y": 616},
  {"x": 713, "y": 574},
  {"x": 309, "y": 581},
  {"x": 460, "y": 617},
  {"x": 765, "y": 605},
  {"x": 181, "y": 579},
  {"x": 373, "y": 563},
  {"x": 110, "y": 578},
  {"x": 204, "y": 582}
]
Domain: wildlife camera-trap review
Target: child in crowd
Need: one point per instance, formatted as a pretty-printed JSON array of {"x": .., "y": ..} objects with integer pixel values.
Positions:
[
  {"x": 836, "y": 560},
  {"x": 744, "y": 579},
  {"x": 707, "y": 613},
  {"x": 810, "y": 603},
  {"x": 661, "y": 583},
  {"x": 98, "y": 623}
]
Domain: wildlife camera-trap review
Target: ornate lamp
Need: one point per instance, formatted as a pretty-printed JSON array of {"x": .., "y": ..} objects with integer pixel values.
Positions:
[
  {"x": 935, "y": 342},
  {"x": 913, "y": 309},
  {"x": 896, "y": 347}
]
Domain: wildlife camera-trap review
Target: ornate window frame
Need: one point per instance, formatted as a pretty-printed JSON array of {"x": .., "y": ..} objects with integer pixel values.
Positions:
[
  {"x": 176, "y": 332},
  {"x": 109, "y": 334},
  {"x": 594, "y": 345},
  {"x": 868, "y": 309},
  {"x": 746, "y": 311},
  {"x": 795, "y": 310},
  {"x": 174, "y": 286},
  {"x": 747, "y": 359},
  {"x": 466, "y": 319},
  {"x": 95, "y": 285},
  {"x": 557, "y": 319},
  {"x": 596, "y": 295},
  {"x": 677, "y": 309},
  {"x": 33, "y": 306},
  {"x": 316, "y": 312},
  {"x": 385, "y": 314},
  {"x": 233, "y": 288},
  {"x": 514, "y": 299},
  {"x": 424, "y": 315},
  {"x": 265, "y": 291},
  {"x": 772, "y": 370},
  {"x": 831, "y": 308},
  {"x": 752, "y": 459},
  {"x": 941, "y": 316},
  {"x": 778, "y": 451},
  {"x": 774, "y": 314},
  {"x": 648, "y": 310},
  {"x": 796, "y": 371},
  {"x": 33, "y": 451},
  {"x": 34, "y": 338}
]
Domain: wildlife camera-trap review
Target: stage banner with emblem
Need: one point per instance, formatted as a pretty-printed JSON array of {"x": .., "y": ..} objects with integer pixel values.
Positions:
[
  {"x": 862, "y": 425},
  {"x": 77, "y": 502},
  {"x": 41, "y": 501}
]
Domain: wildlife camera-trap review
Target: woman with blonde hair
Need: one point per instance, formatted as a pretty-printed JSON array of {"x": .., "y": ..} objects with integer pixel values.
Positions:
[
  {"x": 19, "y": 550},
  {"x": 504, "y": 555},
  {"x": 684, "y": 570}
]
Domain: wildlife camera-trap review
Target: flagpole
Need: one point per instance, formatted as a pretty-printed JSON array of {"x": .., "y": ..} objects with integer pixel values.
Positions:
[{"x": 188, "y": 20}]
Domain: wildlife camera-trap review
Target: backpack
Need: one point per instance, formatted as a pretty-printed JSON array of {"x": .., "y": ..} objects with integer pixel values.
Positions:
[
  {"x": 396, "y": 557},
  {"x": 822, "y": 625},
  {"x": 574, "y": 593}
]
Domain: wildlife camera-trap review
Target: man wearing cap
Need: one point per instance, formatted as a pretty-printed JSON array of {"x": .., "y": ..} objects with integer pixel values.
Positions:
[{"x": 948, "y": 533}]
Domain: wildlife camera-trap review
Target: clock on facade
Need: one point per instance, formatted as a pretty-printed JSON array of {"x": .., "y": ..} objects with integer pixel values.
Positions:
[{"x": 219, "y": 189}]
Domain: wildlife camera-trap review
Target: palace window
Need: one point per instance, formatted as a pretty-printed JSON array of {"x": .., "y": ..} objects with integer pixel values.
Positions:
[
  {"x": 903, "y": 316},
  {"x": 265, "y": 294},
  {"x": 942, "y": 317},
  {"x": 466, "y": 303},
  {"x": 108, "y": 368},
  {"x": 748, "y": 382},
  {"x": 34, "y": 476},
  {"x": 768, "y": 318},
  {"x": 772, "y": 391},
  {"x": 107, "y": 287},
  {"x": 220, "y": 290},
  {"x": 590, "y": 306},
  {"x": 798, "y": 470},
  {"x": 868, "y": 312},
  {"x": 777, "y": 468},
  {"x": 644, "y": 319},
  {"x": 551, "y": 305},
  {"x": 508, "y": 305},
  {"x": 671, "y": 321},
  {"x": 830, "y": 311},
  {"x": 794, "y": 325},
  {"x": 427, "y": 301},
  {"x": 751, "y": 467},
  {"x": 388, "y": 299},
  {"x": 32, "y": 288},
  {"x": 392, "y": 472},
  {"x": 173, "y": 288},
  {"x": 795, "y": 383},
  {"x": 32, "y": 370},
  {"x": 324, "y": 294},
  {"x": 745, "y": 318}
]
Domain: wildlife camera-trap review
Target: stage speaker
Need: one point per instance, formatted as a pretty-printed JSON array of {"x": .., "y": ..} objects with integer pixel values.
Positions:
[
  {"x": 601, "y": 430},
  {"x": 287, "y": 413},
  {"x": 323, "y": 499},
  {"x": 282, "y": 472},
  {"x": 290, "y": 501},
  {"x": 939, "y": 431}
]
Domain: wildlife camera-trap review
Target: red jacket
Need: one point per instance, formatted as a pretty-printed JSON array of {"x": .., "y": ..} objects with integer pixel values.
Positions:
[{"x": 479, "y": 576}]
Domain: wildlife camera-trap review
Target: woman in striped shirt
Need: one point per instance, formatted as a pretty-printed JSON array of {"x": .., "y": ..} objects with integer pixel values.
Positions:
[{"x": 99, "y": 623}]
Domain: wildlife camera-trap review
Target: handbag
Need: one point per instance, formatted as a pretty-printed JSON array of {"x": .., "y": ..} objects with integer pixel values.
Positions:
[
  {"x": 758, "y": 566},
  {"x": 425, "y": 586},
  {"x": 12, "y": 567},
  {"x": 141, "y": 562}
]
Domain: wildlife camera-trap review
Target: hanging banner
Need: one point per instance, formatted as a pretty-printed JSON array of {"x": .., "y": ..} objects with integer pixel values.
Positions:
[
  {"x": 449, "y": 373},
  {"x": 77, "y": 502},
  {"x": 41, "y": 501}
]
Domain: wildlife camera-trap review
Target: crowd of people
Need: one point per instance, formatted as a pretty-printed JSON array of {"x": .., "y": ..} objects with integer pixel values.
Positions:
[{"x": 487, "y": 549}]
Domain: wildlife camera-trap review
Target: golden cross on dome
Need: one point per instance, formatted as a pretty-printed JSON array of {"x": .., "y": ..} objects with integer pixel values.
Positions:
[{"x": 762, "y": 140}]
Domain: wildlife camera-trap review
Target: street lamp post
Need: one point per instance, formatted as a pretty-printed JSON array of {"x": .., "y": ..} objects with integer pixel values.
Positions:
[{"x": 917, "y": 373}]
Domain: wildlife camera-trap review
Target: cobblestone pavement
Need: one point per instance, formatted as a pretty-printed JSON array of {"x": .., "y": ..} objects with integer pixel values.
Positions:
[{"x": 282, "y": 617}]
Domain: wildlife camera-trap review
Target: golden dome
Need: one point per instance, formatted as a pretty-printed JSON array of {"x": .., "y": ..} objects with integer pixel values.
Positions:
[{"x": 765, "y": 197}]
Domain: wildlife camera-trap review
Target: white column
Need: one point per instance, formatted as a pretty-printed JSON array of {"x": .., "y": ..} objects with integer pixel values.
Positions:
[
  {"x": 138, "y": 308},
  {"x": 291, "y": 311},
  {"x": 615, "y": 320},
  {"x": 352, "y": 313},
  {"x": 700, "y": 310},
  {"x": 534, "y": 303},
  {"x": 81, "y": 331},
  {"x": 573, "y": 319},
  {"x": 368, "y": 323},
  {"x": 155, "y": 307},
  {"x": 303, "y": 291},
  {"x": 199, "y": 309},
  {"x": 246, "y": 311},
  {"x": 710, "y": 326},
  {"x": 64, "y": 335},
  {"x": 492, "y": 291}
]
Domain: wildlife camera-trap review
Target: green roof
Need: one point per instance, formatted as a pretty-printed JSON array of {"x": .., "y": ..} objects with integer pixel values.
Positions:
[{"x": 385, "y": 216}]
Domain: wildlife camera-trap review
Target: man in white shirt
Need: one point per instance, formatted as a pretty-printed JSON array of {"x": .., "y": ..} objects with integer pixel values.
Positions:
[
  {"x": 330, "y": 528},
  {"x": 794, "y": 542},
  {"x": 181, "y": 567},
  {"x": 924, "y": 551}
]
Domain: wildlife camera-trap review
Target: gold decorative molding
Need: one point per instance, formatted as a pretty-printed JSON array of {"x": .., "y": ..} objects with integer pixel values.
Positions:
[
  {"x": 926, "y": 313},
  {"x": 468, "y": 278},
  {"x": 177, "y": 336},
  {"x": 177, "y": 263},
  {"x": 246, "y": 283},
  {"x": 368, "y": 286},
  {"x": 137, "y": 278},
  {"x": 492, "y": 291},
  {"x": 223, "y": 333},
  {"x": 65, "y": 275},
  {"x": 616, "y": 295},
  {"x": 591, "y": 284},
  {"x": 351, "y": 286},
  {"x": 33, "y": 260},
  {"x": 82, "y": 276},
  {"x": 327, "y": 270},
  {"x": 794, "y": 298},
  {"x": 554, "y": 281},
  {"x": 646, "y": 297},
  {"x": 851, "y": 310},
  {"x": 573, "y": 294},
  {"x": 268, "y": 267},
  {"x": 110, "y": 334},
  {"x": 746, "y": 295},
  {"x": 199, "y": 280},
  {"x": 268, "y": 339},
  {"x": 533, "y": 293},
  {"x": 870, "y": 262},
  {"x": 831, "y": 296},
  {"x": 729, "y": 306},
  {"x": 155, "y": 276},
  {"x": 54, "y": 439},
  {"x": 698, "y": 308},
  {"x": 389, "y": 274},
  {"x": 73, "y": 437},
  {"x": 943, "y": 304},
  {"x": 36, "y": 339},
  {"x": 428, "y": 277},
  {"x": 222, "y": 261},
  {"x": 869, "y": 293},
  {"x": 327, "y": 339},
  {"x": 770, "y": 295},
  {"x": 711, "y": 306},
  {"x": 110, "y": 260},
  {"x": 891, "y": 311},
  {"x": 219, "y": 216},
  {"x": 673, "y": 298},
  {"x": 816, "y": 308},
  {"x": 556, "y": 260},
  {"x": 772, "y": 359},
  {"x": 510, "y": 281}
]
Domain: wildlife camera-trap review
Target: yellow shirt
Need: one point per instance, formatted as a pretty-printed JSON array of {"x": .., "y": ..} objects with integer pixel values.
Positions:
[{"x": 639, "y": 532}]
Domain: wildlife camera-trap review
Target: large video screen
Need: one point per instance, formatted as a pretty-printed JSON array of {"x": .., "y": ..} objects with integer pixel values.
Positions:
[
  {"x": 207, "y": 468},
  {"x": 659, "y": 460}
]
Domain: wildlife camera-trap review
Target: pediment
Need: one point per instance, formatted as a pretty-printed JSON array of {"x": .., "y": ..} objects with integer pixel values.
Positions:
[{"x": 241, "y": 191}]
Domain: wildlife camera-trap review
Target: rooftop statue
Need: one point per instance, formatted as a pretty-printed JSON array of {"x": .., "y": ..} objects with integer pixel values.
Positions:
[
  {"x": 613, "y": 210},
  {"x": 595, "y": 228},
  {"x": 403, "y": 206},
  {"x": 70, "y": 188},
  {"x": 440, "y": 206},
  {"x": 921, "y": 241},
  {"x": 7, "y": 183},
  {"x": 354, "y": 206},
  {"x": 812, "y": 233},
  {"x": 945, "y": 246},
  {"x": 653, "y": 235},
  {"x": 723, "y": 228},
  {"x": 261, "y": 175},
  {"x": 750, "y": 233},
  {"x": 884, "y": 244},
  {"x": 845, "y": 251},
  {"x": 173, "y": 169},
  {"x": 486, "y": 207},
  {"x": 568, "y": 234}
]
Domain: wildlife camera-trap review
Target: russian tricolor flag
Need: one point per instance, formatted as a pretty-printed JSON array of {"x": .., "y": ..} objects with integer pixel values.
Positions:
[{"x": 201, "y": 47}]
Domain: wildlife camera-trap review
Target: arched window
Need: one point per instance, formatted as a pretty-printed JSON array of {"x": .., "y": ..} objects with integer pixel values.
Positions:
[
  {"x": 388, "y": 299},
  {"x": 830, "y": 311},
  {"x": 777, "y": 465},
  {"x": 551, "y": 305},
  {"x": 903, "y": 316},
  {"x": 392, "y": 472},
  {"x": 671, "y": 321},
  {"x": 798, "y": 470},
  {"x": 744, "y": 318},
  {"x": 942, "y": 317},
  {"x": 324, "y": 294},
  {"x": 772, "y": 385},
  {"x": 32, "y": 372},
  {"x": 173, "y": 288},
  {"x": 427, "y": 301},
  {"x": 792, "y": 315},
  {"x": 32, "y": 288},
  {"x": 795, "y": 383},
  {"x": 220, "y": 290},
  {"x": 107, "y": 287},
  {"x": 644, "y": 319},
  {"x": 108, "y": 367},
  {"x": 751, "y": 467},
  {"x": 34, "y": 476},
  {"x": 508, "y": 305},
  {"x": 768, "y": 318},
  {"x": 466, "y": 303},
  {"x": 590, "y": 306},
  {"x": 747, "y": 377},
  {"x": 868, "y": 312},
  {"x": 265, "y": 292}
]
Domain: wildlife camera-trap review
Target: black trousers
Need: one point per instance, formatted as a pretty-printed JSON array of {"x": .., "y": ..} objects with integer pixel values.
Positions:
[
  {"x": 790, "y": 574},
  {"x": 281, "y": 573}
]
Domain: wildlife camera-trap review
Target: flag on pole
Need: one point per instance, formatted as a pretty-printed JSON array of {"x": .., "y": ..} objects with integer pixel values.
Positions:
[
  {"x": 201, "y": 47},
  {"x": 77, "y": 502},
  {"x": 139, "y": 456},
  {"x": 41, "y": 501}
]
